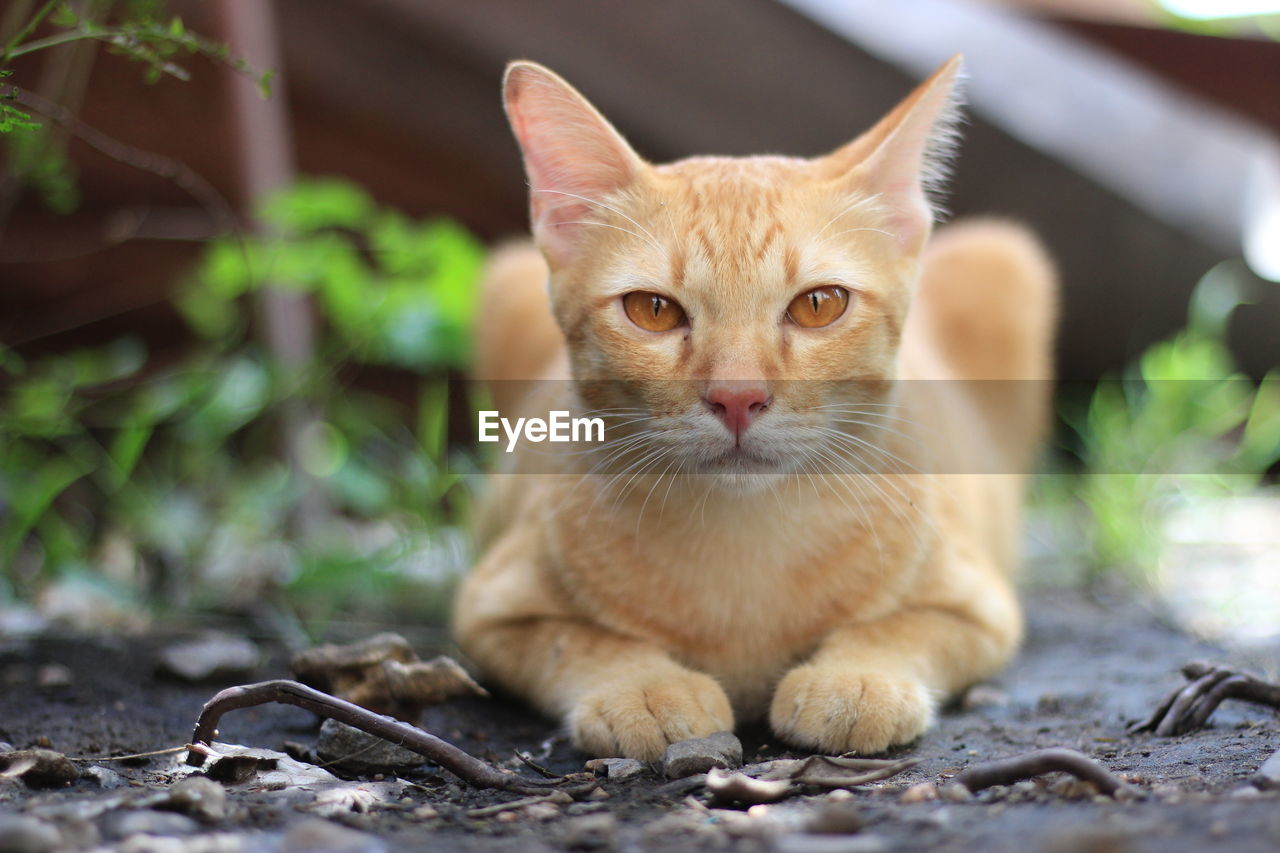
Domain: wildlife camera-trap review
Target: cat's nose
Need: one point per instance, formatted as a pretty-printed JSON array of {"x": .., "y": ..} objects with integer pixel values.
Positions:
[{"x": 737, "y": 403}]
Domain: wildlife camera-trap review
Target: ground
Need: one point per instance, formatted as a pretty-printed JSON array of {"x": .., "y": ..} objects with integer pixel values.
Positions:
[{"x": 1088, "y": 669}]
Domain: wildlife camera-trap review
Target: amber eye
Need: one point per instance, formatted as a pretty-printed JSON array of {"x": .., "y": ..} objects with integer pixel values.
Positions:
[
  {"x": 652, "y": 312},
  {"x": 819, "y": 307}
]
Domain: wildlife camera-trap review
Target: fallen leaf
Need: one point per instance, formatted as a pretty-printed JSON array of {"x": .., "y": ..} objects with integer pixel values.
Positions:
[{"x": 382, "y": 673}]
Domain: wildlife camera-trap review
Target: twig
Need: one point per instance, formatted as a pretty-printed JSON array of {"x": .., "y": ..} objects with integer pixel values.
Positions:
[
  {"x": 558, "y": 797},
  {"x": 159, "y": 165},
  {"x": 528, "y": 761},
  {"x": 1006, "y": 771},
  {"x": 170, "y": 751},
  {"x": 466, "y": 767},
  {"x": 1189, "y": 707}
]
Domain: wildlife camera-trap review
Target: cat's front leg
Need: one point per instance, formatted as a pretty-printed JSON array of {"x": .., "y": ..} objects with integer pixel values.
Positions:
[
  {"x": 878, "y": 684},
  {"x": 619, "y": 695}
]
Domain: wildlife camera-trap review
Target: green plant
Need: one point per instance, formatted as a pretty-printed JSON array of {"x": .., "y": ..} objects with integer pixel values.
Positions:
[
  {"x": 169, "y": 478},
  {"x": 140, "y": 30},
  {"x": 1181, "y": 422}
]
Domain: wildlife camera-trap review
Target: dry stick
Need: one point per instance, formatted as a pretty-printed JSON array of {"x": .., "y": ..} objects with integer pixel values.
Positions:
[
  {"x": 1172, "y": 722},
  {"x": 1009, "y": 770},
  {"x": 1189, "y": 707},
  {"x": 528, "y": 761},
  {"x": 557, "y": 797},
  {"x": 283, "y": 691}
]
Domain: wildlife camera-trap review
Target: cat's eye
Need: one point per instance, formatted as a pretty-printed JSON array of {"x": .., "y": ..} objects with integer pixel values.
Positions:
[
  {"x": 819, "y": 307},
  {"x": 652, "y": 312}
]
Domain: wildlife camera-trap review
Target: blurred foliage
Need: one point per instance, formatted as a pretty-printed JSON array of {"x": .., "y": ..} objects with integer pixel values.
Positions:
[
  {"x": 140, "y": 30},
  {"x": 1181, "y": 423},
  {"x": 168, "y": 479},
  {"x": 1221, "y": 25}
]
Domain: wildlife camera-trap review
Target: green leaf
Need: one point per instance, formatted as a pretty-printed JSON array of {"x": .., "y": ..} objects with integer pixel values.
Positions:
[
  {"x": 318, "y": 203},
  {"x": 125, "y": 451},
  {"x": 241, "y": 391},
  {"x": 1260, "y": 444},
  {"x": 14, "y": 120},
  {"x": 32, "y": 493},
  {"x": 433, "y": 420}
]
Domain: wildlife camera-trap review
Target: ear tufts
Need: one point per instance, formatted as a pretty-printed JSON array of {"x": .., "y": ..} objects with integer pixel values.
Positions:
[
  {"x": 944, "y": 140},
  {"x": 905, "y": 158}
]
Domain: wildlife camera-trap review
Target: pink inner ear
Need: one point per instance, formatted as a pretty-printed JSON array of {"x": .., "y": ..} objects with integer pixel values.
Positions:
[{"x": 573, "y": 157}]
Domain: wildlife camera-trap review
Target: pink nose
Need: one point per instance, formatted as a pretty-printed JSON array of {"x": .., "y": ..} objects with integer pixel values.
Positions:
[{"x": 737, "y": 404}]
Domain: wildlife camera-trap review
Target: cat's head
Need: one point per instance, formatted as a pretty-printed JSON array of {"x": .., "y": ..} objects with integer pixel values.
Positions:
[{"x": 724, "y": 302}]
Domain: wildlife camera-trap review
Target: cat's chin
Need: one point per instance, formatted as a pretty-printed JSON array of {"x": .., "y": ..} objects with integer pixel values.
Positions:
[
  {"x": 742, "y": 483},
  {"x": 744, "y": 474}
]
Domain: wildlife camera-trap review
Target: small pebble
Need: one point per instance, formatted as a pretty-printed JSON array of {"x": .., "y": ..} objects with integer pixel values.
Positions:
[
  {"x": 507, "y": 817},
  {"x": 585, "y": 808},
  {"x": 542, "y": 811},
  {"x": 984, "y": 696},
  {"x": 425, "y": 813},
  {"x": 200, "y": 797},
  {"x": 615, "y": 768},
  {"x": 122, "y": 824},
  {"x": 24, "y": 834},
  {"x": 597, "y": 794},
  {"x": 211, "y": 656},
  {"x": 106, "y": 778},
  {"x": 841, "y": 817},
  {"x": 955, "y": 793},
  {"x": 797, "y": 842},
  {"x": 921, "y": 792},
  {"x": 698, "y": 755},
  {"x": 317, "y": 834},
  {"x": 44, "y": 768},
  {"x": 1268, "y": 775},
  {"x": 54, "y": 675},
  {"x": 591, "y": 832}
]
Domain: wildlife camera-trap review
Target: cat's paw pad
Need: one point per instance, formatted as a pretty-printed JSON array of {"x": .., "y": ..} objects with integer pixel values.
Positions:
[
  {"x": 837, "y": 710},
  {"x": 639, "y": 715}
]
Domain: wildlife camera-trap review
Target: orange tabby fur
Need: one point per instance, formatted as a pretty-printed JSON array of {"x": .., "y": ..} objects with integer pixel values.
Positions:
[{"x": 843, "y": 606}]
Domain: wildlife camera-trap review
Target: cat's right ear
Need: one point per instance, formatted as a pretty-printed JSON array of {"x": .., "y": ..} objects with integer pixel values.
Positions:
[{"x": 573, "y": 157}]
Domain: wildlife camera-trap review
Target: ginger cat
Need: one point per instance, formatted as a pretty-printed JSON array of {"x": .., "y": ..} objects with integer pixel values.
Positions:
[{"x": 814, "y": 558}]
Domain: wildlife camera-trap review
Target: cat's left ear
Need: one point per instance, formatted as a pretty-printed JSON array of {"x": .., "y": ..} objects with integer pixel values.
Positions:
[{"x": 904, "y": 158}]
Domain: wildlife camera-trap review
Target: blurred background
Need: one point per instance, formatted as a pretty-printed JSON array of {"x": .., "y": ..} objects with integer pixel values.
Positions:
[{"x": 227, "y": 321}]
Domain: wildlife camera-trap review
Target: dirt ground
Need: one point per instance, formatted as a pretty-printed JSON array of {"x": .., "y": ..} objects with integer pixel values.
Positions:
[{"x": 1087, "y": 669}]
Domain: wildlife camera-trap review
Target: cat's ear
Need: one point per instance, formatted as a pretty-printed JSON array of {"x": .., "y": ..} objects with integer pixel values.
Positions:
[
  {"x": 904, "y": 159},
  {"x": 572, "y": 155}
]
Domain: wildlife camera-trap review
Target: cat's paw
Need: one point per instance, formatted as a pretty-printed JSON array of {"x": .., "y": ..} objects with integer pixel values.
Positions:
[
  {"x": 638, "y": 715},
  {"x": 835, "y": 710}
]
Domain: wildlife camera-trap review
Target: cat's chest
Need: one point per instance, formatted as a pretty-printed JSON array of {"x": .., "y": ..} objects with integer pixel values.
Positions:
[{"x": 730, "y": 592}]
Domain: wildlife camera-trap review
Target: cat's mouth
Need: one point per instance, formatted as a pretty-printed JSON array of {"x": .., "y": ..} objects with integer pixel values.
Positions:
[{"x": 741, "y": 459}]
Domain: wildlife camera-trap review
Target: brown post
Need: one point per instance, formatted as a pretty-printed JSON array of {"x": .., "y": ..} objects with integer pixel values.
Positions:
[{"x": 263, "y": 145}]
